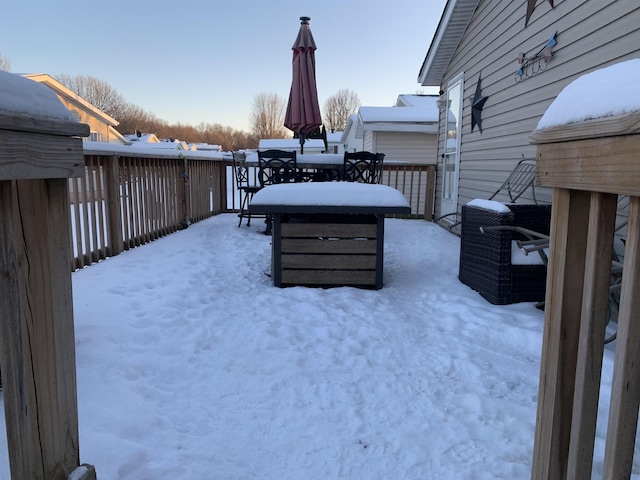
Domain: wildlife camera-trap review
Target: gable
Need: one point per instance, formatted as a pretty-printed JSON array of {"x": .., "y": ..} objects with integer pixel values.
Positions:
[{"x": 453, "y": 24}]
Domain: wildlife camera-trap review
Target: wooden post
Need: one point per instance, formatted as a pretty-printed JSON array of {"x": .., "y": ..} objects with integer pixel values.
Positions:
[
  {"x": 114, "y": 213},
  {"x": 430, "y": 195},
  {"x": 38, "y": 352},
  {"x": 186, "y": 184},
  {"x": 37, "y": 346},
  {"x": 560, "y": 337},
  {"x": 588, "y": 164},
  {"x": 625, "y": 391}
]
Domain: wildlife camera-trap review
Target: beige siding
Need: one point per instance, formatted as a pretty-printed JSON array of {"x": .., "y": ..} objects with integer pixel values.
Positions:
[
  {"x": 368, "y": 143},
  {"x": 417, "y": 148},
  {"x": 590, "y": 35},
  {"x": 82, "y": 116}
]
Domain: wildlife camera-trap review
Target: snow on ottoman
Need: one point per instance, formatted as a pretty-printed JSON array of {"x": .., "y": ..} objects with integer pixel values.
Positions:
[{"x": 486, "y": 258}]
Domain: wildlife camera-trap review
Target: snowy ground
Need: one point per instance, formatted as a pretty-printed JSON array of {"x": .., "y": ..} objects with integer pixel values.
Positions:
[{"x": 192, "y": 365}]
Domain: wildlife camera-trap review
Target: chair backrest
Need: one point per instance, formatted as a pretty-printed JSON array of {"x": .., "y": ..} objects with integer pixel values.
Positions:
[
  {"x": 240, "y": 171},
  {"x": 364, "y": 167},
  {"x": 519, "y": 180},
  {"x": 277, "y": 166}
]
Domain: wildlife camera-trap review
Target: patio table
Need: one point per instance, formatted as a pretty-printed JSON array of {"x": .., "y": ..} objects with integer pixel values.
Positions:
[
  {"x": 319, "y": 163},
  {"x": 328, "y": 234},
  {"x": 311, "y": 161}
]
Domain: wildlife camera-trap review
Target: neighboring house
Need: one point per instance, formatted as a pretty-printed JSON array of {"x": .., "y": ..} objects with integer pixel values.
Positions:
[
  {"x": 140, "y": 138},
  {"x": 206, "y": 147},
  {"x": 513, "y": 61},
  {"x": 151, "y": 141},
  {"x": 101, "y": 125},
  {"x": 334, "y": 141},
  {"x": 290, "y": 144},
  {"x": 403, "y": 133},
  {"x": 348, "y": 138}
]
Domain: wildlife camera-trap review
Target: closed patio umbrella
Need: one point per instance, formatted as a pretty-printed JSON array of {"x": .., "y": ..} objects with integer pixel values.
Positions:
[{"x": 303, "y": 110}]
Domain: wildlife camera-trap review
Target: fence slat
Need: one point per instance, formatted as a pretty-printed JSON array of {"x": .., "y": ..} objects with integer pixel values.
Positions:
[{"x": 124, "y": 202}]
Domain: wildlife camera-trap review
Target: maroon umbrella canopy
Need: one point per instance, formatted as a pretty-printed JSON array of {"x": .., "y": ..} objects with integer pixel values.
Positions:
[{"x": 303, "y": 109}]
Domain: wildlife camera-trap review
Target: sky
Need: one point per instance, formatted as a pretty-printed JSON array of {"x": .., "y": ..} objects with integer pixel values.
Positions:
[
  {"x": 191, "y": 364},
  {"x": 193, "y": 61}
]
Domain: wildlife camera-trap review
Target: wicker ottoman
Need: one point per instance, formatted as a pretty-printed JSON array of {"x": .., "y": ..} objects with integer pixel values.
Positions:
[{"x": 485, "y": 258}]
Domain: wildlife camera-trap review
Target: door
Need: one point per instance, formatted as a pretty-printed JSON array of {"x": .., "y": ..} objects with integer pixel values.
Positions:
[{"x": 451, "y": 163}]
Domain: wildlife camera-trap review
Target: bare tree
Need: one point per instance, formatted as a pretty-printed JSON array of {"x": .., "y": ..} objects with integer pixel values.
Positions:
[
  {"x": 5, "y": 64},
  {"x": 267, "y": 116},
  {"x": 338, "y": 107},
  {"x": 131, "y": 117},
  {"x": 97, "y": 92}
]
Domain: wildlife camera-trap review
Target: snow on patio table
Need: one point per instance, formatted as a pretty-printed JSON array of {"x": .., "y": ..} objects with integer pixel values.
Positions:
[{"x": 330, "y": 194}]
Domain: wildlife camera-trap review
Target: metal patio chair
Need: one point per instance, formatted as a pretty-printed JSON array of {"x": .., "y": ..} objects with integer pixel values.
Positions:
[
  {"x": 276, "y": 166},
  {"x": 363, "y": 167},
  {"x": 243, "y": 185},
  {"x": 521, "y": 178}
]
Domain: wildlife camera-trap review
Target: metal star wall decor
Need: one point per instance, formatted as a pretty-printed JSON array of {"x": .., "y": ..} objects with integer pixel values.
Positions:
[
  {"x": 477, "y": 103},
  {"x": 531, "y": 6}
]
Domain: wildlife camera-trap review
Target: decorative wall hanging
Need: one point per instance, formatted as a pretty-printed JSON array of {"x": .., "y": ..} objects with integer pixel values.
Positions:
[
  {"x": 530, "y": 66},
  {"x": 531, "y": 6},
  {"x": 477, "y": 103}
]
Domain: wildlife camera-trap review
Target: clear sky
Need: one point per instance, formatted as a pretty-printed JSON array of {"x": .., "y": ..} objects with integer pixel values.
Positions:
[{"x": 194, "y": 61}]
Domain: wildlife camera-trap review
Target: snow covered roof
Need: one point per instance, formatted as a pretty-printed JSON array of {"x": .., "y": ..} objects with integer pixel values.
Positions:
[
  {"x": 397, "y": 119},
  {"x": 206, "y": 146},
  {"x": 143, "y": 138},
  {"x": 290, "y": 144},
  {"x": 352, "y": 122},
  {"x": 426, "y": 101},
  {"x": 334, "y": 137}
]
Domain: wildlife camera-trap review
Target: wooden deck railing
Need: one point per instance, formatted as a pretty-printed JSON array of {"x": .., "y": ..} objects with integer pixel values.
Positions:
[
  {"x": 125, "y": 201},
  {"x": 588, "y": 165}
]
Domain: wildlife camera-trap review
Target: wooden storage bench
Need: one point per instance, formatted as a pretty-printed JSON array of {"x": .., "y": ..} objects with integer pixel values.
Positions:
[{"x": 328, "y": 234}]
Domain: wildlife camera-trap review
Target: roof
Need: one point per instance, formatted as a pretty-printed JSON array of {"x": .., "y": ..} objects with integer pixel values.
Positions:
[
  {"x": 453, "y": 23},
  {"x": 71, "y": 96},
  {"x": 290, "y": 143},
  {"x": 398, "y": 119},
  {"x": 143, "y": 138},
  {"x": 415, "y": 100},
  {"x": 334, "y": 137},
  {"x": 352, "y": 121}
]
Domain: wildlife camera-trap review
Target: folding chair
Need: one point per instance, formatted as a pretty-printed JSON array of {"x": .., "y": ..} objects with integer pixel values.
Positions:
[
  {"x": 519, "y": 180},
  {"x": 243, "y": 185}
]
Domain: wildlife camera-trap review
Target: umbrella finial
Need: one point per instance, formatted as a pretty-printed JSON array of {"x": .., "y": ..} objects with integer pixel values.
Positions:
[{"x": 304, "y": 20}]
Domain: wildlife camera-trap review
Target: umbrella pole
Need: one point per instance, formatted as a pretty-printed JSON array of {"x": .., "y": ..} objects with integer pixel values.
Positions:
[{"x": 301, "y": 136}]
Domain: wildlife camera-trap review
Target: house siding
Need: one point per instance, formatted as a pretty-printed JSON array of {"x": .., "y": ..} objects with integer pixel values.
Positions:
[
  {"x": 95, "y": 125},
  {"x": 417, "y": 148},
  {"x": 368, "y": 142},
  {"x": 590, "y": 35}
]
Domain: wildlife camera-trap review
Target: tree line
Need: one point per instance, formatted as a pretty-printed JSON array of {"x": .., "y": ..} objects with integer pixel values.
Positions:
[{"x": 266, "y": 118}]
